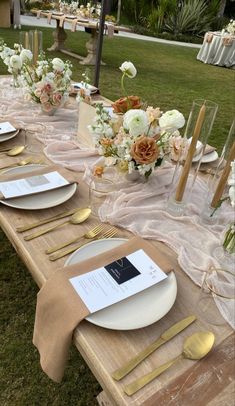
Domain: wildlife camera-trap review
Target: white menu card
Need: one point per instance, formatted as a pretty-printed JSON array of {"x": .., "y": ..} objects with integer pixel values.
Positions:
[
  {"x": 117, "y": 281},
  {"x": 32, "y": 184},
  {"x": 6, "y": 128}
]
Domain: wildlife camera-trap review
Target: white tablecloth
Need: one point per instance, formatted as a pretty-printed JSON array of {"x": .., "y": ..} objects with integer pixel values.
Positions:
[{"x": 218, "y": 49}]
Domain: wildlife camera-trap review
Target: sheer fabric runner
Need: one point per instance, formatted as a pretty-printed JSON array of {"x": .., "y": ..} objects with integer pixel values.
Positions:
[{"x": 192, "y": 240}]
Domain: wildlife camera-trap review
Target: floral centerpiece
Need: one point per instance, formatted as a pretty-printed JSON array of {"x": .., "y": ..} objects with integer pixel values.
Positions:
[
  {"x": 230, "y": 28},
  {"x": 48, "y": 82},
  {"x": 139, "y": 139},
  {"x": 14, "y": 59}
]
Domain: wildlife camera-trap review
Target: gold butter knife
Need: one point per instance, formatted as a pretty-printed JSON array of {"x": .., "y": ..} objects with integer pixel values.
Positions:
[
  {"x": 166, "y": 336},
  {"x": 20, "y": 229}
]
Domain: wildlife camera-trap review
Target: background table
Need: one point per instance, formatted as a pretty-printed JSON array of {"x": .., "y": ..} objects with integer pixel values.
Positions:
[
  {"x": 215, "y": 52},
  {"x": 209, "y": 381},
  {"x": 60, "y": 36}
]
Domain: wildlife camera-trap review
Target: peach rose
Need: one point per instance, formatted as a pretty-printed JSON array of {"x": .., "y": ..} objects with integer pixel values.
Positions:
[
  {"x": 126, "y": 103},
  {"x": 57, "y": 99},
  {"x": 144, "y": 150},
  {"x": 44, "y": 98}
]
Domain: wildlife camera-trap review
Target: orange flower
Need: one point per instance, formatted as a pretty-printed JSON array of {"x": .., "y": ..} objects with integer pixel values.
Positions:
[
  {"x": 106, "y": 141},
  {"x": 98, "y": 171},
  {"x": 124, "y": 104},
  {"x": 144, "y": 150}
]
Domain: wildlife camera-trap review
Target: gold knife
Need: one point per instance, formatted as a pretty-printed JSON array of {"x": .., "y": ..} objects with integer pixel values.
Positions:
[
  {"x": 166, "y": 336},
  {"x": 59, "y": 216}
]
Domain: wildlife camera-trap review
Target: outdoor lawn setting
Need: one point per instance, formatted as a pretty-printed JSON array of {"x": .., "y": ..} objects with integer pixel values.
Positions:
[{"x": 169, "y": 76}]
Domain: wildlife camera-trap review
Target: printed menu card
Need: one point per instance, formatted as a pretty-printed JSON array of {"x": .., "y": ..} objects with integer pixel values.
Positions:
[
  {"x": 6, "y": 128},
  {"x": 118, "y": 280},
  {"x": 32, "y": 185}
]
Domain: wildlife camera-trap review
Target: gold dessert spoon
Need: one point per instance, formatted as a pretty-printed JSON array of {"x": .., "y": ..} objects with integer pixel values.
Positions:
[
  {"x": 195, "y": 347},
  {"x": 77, "y": 218},
  {"x": 14, "y": 151}
]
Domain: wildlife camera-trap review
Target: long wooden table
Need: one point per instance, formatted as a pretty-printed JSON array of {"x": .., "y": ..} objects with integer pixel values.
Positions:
[
  {"x": 60, "y": 36},
  {"x": 207, "y": 382}
]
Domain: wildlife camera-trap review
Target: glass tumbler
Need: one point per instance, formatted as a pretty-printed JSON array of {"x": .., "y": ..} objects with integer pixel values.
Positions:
[
  {"x": 216, "y": 300},
  {"x": 99, "y": 189}
]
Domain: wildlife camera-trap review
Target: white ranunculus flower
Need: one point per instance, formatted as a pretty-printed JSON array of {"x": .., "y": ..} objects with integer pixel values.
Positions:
[
  {"x": 129, "y": 69},
  {"x": 232, "y": 195},
  {"x": 15, "y": 62},
  {"x": 26, "y": 55},
  {"x": 172, "y": 119},
  {"x": 136, "y": 122},
  {"x": 58, "y": 64}
]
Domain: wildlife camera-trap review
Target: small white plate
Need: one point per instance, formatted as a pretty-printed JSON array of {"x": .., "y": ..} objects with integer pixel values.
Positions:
[
  {"x": 79, "y": 85},
  {"x": 137, "y": 311},
  {"x": 8, "y": 136},
  {"x": 46, "y": 200},
  {"x": 211, "y": 157}
]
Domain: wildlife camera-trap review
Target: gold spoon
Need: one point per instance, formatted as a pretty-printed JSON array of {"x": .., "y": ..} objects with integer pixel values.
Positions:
[
  {"x": 14, "y": 151},
  {"x": 77, "y": 218},
  {"x": 195, "y": 347},
  {"x": 26, "y": 161}
]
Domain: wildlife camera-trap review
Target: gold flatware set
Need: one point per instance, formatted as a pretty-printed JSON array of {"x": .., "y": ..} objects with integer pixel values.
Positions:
[{"x": 78, "y": 216}]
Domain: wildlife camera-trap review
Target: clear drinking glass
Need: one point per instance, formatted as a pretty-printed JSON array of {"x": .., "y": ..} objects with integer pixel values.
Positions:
[
  {"x": 217, "y": 297},
  {"x": 32, "y": 131},
  {"x": 198, "y": 129},
  {"x": 99, "y": 189}
]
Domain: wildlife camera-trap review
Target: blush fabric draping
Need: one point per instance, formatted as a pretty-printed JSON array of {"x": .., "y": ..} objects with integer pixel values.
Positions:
[{"x": 138, "y": 207}]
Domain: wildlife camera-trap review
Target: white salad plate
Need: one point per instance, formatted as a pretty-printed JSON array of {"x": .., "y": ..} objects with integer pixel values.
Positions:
[
  {"x": 8, "y": 136},
  {"x": 79, "y": 85},
  {"x": 211, "y": 157},
  {"x": 137, "y": 311},
  {"x": 46, "y": 200}
]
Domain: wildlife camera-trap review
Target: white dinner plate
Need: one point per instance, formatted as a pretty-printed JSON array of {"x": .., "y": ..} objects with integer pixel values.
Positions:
[
  {"x": 211, "y": 157},
  {"x": 8, "y": 136},
  {"x": 137, "y": 311},
  {"x": 46, "y": 200}
]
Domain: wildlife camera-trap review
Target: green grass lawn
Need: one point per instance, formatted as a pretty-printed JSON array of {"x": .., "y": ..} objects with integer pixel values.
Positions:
[{"x": 170, "y": 77}]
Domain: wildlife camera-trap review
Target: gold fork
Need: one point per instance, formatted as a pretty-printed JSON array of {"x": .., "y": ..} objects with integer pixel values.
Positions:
[
  {"x": 89, "y": 235},
  {"x": 111, "y": 232}
]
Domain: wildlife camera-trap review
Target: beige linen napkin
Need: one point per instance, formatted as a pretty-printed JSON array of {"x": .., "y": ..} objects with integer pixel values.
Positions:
[
  {"x": 60, "y": 309},
  {"x": 74, "y": 25},
  {"x": 209, "y": 37},
  {"x": 69, "y": 176},
  {"x": 227, "y": 41},
  {"x": 49, "y": 15},
  {"x": 61, "y": 20}
]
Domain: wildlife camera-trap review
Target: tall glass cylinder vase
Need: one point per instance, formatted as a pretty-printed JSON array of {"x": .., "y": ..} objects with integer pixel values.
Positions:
[
  {"x": 218, "y": 183},
  {"x": 198, "y": 129}
]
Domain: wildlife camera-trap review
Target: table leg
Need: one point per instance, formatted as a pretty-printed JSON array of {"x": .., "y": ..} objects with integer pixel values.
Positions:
[
  {"x": 59, "y": 36},
  {"x": 91, "y": 47},
  {"x": 103, "y": 400}
]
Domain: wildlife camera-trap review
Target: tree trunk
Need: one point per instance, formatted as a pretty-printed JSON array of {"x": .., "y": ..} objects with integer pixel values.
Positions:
[{"x": 221, "y": 9}]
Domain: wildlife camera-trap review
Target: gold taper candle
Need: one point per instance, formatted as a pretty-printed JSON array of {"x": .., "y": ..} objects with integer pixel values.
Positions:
[
  {"x": 223, "y": 179},
  {"x": 188, "y": 162},
  {"x": 26, "y": 43},
  {"x": 35, "y": 46}
]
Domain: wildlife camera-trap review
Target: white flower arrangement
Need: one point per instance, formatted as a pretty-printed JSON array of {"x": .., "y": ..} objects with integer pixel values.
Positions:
[
  {"x": 230, "y": 28},
  {"x": 15, "y": 58},
  {"x": 48, "y": 82},
  {"x": 135, "y": 141}
]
